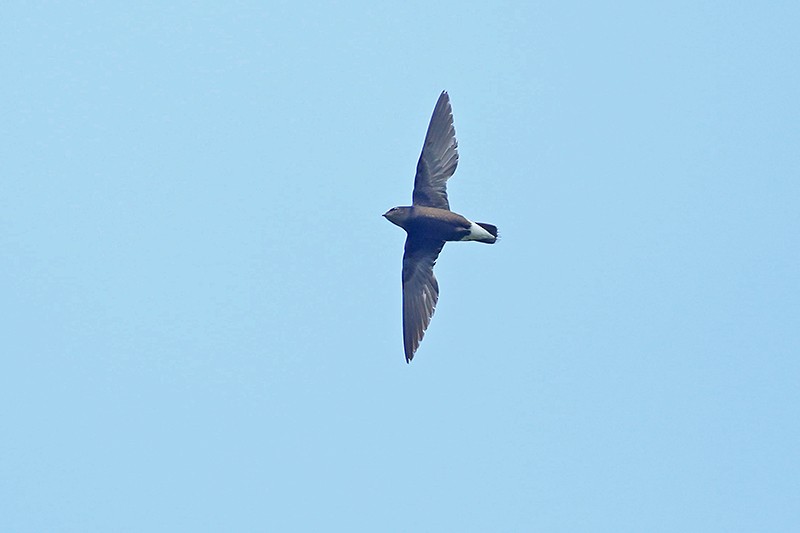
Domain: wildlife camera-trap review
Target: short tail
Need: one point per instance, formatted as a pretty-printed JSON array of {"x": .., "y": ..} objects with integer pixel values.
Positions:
[
  {"x": 488, "y": 227},
  {"x": 491, "y": 229}
]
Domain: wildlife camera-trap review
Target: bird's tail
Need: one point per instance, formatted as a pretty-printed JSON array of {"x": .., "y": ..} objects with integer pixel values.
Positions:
[
  {"x": 486, "y": 233},
  {"x": 489, "y": 227}
]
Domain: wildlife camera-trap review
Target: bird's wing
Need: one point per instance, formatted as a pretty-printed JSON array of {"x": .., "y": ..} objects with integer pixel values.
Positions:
[
  {"x": 439, "y": 158},
  {"x": 420, "y": 290}
]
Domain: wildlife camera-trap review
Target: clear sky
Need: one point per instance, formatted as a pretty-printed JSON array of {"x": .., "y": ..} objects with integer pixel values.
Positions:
[{"x": 201, "y": 306}]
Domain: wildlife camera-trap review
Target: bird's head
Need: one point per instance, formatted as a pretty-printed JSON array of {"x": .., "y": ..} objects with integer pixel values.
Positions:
[{"x": 397, "y": 215}]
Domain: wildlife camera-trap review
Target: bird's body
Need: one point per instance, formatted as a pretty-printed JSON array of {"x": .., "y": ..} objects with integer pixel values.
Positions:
[
  {"x": 439, "y": 224},
  {"x": 429, "y": 223}
]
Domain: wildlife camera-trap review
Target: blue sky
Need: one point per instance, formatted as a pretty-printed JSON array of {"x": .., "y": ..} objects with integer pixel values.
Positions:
[{"x": 201, "y": 301}]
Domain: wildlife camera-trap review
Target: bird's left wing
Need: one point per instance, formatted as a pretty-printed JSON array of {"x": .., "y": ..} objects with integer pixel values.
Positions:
[
  {"x": 420, "y": 290},
  {"x": 439, "y": 158}
]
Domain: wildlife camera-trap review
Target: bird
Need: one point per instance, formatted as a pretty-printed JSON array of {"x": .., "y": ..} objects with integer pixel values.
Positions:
[{"x": 429, "y": 223}]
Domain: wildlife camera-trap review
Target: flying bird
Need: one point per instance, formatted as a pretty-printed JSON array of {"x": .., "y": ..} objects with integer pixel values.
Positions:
[{"x": 429, "y": 223}]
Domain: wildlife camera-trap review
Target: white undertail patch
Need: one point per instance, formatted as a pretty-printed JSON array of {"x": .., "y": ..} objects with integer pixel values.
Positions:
[{"x": 477, "y": 233}]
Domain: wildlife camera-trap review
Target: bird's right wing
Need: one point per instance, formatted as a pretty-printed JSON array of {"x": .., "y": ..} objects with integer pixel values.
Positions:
[
  {"x": 420, "y": 290},
  {"x": 439, "y": 158}
]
